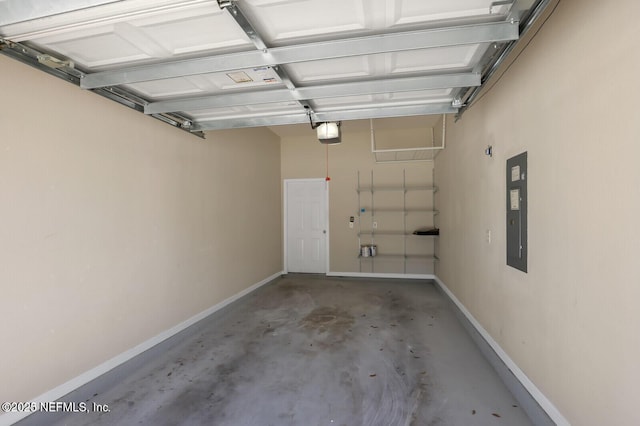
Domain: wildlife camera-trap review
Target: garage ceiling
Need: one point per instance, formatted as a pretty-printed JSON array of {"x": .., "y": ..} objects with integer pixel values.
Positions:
[{"x": 216, "y": 64}]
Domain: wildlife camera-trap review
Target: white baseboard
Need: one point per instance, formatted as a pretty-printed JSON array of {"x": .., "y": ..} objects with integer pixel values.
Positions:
[
  {"x": 64, "y": 389},
  {"x": 73, "y": 384},
  {"x": 544, "y": 403},
  {"x": 381, "y": 275}
]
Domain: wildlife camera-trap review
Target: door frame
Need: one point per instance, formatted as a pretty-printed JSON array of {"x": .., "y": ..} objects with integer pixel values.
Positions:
[{"x": 285, "y": 220}]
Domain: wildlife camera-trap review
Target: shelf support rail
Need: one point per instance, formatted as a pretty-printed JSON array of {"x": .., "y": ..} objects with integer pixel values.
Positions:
[{"x": 433, "y": 150}]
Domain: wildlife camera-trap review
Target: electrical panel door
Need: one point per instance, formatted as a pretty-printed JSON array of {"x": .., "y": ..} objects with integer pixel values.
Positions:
[{"x": 517, "y": 212}]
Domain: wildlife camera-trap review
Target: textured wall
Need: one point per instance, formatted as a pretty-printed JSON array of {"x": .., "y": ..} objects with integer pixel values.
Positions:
[
  {"x": 304, "y": 157},
  {"x": 115, "y": 227},
  {"x": 571, "y": 323}
]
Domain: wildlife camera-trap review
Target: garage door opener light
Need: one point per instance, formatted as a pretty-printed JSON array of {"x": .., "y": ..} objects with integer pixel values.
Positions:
[{"x": 328, "y": 132}]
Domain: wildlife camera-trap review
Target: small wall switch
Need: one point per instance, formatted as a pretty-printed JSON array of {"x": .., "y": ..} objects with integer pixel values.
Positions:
[
  {"x": 375, "y": 225},
  {"x": 351, "y": 225}
]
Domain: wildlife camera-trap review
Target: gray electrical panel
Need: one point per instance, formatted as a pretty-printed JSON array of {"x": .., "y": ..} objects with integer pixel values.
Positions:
[{"x": 517, "y": 212}]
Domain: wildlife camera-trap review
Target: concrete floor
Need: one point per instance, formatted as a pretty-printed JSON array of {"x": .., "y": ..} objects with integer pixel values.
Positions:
[{"x": 311, "y": 350}]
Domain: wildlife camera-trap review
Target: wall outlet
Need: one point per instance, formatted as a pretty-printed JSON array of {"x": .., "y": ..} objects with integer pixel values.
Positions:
[
  {"x": 488, "y": 236},
  {"x": 375, "y": 225},
  {"x": 351, "y": 225}
]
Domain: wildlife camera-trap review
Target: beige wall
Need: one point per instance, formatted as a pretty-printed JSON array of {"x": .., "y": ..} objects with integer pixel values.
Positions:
[
  {"x": 115, "y": 227},
  {"x": 572, "y": 322},
  {"x": 304, "y": 157}
]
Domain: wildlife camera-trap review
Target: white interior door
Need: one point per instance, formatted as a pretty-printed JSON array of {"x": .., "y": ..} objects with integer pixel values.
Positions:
[{"x": 306, "y": 225}]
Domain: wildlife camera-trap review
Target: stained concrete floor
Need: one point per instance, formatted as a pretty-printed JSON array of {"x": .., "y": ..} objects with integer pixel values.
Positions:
[{"x": 312, "y": 350}]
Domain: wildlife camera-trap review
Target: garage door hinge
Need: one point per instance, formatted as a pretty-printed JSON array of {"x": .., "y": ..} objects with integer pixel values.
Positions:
[{"x": 223, "y": 4}]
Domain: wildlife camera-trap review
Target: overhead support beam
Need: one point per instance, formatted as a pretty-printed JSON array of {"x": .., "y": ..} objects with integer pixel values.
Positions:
[
  {"x": 386, "y": 111},
  {"x": 259, "y": 43},
  {"x": 528, "y": 22},
  {"x": 65, "y": 71},
  {"x": 384, "y": 43},
  {"x": 244, "y": 24},
  {"x": 255, "y": 121},
  {"x": 519, "y": 9},
  {"x": 14, "y": 11},
  {"x": 408, "y": 84},
  {"x": 334, "y": 115}
]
